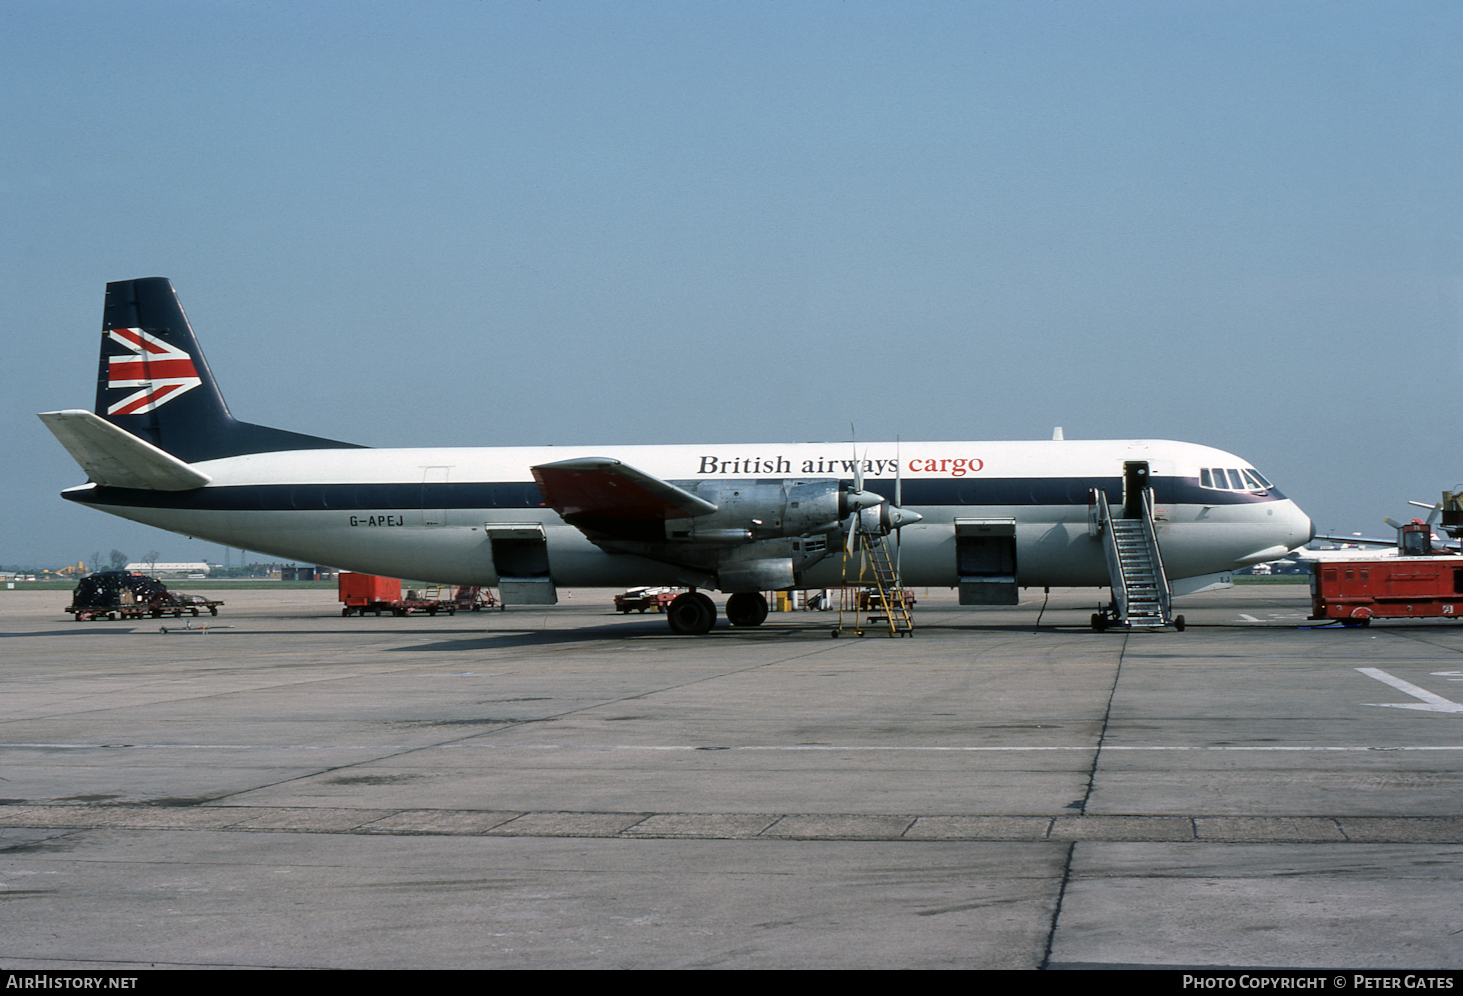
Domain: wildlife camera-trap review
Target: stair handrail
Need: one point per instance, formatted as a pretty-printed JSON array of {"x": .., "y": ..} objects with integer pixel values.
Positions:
[
  {"x": 1165, "y": 594},
  {"x": 1116, "y": 580}
]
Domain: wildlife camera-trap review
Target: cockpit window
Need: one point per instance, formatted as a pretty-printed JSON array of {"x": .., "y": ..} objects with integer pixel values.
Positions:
[{"x": 1233, "y": 479}]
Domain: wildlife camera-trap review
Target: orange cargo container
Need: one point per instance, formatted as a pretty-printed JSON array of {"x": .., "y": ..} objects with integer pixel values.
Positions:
[
  {"x": 360, "y": 590},
  {"x": 1400, "y": 588}
]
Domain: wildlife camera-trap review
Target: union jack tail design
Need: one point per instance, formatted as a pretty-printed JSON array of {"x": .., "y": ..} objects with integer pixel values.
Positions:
[
  {"x": 161, "y": 370},
  {"x": 151, "y": 364}
]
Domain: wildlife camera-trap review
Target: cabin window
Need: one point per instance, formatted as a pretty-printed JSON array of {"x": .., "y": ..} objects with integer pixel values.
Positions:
[{"x": 1206, "y": 479}]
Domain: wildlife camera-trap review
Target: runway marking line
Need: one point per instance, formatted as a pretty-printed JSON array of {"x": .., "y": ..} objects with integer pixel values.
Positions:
[
  {"x": 1271, "y": 748},
  {"x": 1430, "y": 702}
]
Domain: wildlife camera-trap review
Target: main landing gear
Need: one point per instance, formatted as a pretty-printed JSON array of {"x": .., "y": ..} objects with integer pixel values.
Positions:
[
  {"x": 691, "y": 614},
  {"x": 694, "y": 613},
  {"x": 746, "y": 608}
]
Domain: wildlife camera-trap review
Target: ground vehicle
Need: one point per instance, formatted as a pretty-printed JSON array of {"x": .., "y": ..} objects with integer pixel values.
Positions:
[
  {"x": 472, "y": 598},
  {"x": 645, "y": 599},
  {"x": 1357, "y": 592},
  {"x": 364, "y": 593},
  {"x": 132, "y": 595}
]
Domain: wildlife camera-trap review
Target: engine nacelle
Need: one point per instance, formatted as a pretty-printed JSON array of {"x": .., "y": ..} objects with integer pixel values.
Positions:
[{"x": 758, "y": 510}]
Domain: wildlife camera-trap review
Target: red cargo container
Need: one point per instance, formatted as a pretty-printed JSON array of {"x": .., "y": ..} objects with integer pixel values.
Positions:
[
  {"x": 368, "y": 593},
  {"x": 1399, "y": 588}
]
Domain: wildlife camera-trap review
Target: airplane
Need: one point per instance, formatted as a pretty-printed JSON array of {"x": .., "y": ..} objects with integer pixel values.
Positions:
[{"x": 162, "y": 448}]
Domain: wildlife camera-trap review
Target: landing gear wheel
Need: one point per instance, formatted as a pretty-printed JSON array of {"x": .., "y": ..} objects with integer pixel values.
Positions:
[
  {"x": 691, "y": 614},
  {"x": 1099, "y": 621},
  {"x": 746, "y": 608}
]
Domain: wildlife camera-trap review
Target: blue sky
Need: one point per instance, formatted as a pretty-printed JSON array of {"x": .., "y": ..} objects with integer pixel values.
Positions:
[{"x": 499, "y": 223}]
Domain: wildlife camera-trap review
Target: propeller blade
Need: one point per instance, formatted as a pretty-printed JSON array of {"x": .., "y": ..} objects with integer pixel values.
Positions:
[{"x": 898, "y": 503}]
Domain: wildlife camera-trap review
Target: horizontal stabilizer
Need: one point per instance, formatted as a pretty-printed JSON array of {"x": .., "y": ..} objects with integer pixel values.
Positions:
[
  {"x": 605, "y": 489},
  {"x": 115, "y": 458}
]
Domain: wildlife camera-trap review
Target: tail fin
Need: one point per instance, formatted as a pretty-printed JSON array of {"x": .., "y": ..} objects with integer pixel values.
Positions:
[{"x": 154, "y": 382}]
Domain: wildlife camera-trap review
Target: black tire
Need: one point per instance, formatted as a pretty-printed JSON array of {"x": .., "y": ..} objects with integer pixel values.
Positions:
[
  {"x": 1099, "y": 621},
  {"x": 345, "y": 612},
  {"x": 213, "y": 610},
  {"x": 746, "y": 608},
  {"x": 688, "y": 615},
  {"x": 1178, "y": 623}
]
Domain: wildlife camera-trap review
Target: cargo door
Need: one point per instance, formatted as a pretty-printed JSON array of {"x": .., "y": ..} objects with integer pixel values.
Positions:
[
  {"x": 521, "y": 559},
  {"x": 985, "y": 555}
]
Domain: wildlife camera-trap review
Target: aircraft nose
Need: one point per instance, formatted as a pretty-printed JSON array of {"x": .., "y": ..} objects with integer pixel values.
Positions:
[{"x": 1302, "y": 529}]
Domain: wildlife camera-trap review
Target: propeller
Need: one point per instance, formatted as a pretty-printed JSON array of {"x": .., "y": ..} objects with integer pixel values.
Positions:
[
  {"x": 899, "y": 504},
  {"x": 1437, "y": 510}
]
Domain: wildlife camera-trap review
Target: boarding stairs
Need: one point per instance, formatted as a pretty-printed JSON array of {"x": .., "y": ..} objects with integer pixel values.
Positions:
[
  {"x": 1140, "y": 589},
  {"x": 875, "y": 596}
]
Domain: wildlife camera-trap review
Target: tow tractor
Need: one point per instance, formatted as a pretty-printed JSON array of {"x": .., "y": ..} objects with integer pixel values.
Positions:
[{"x": 1420, "y": 582}]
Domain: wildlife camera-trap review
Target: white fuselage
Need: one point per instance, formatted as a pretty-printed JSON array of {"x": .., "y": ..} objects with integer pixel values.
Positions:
[{"x": 425, "y": 513}]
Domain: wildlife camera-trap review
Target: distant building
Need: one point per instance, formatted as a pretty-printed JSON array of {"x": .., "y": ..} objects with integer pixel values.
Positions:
[{"x": 161, "y": 568}]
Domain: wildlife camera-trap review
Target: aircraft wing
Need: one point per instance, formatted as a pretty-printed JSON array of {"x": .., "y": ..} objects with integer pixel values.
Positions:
[
  {"x": 1358, "y": 540},
  {"x": 603, "y": 489},
  {"x": 113, "y": 457},
  {"x": 1437, "y": 544}
]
